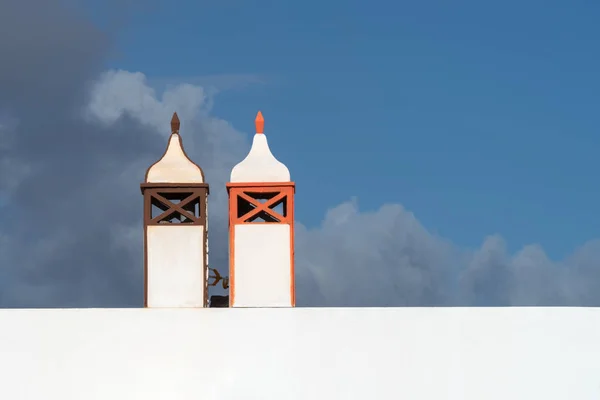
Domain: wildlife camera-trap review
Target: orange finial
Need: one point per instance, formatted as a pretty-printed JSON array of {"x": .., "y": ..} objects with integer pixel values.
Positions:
[
  {"x": 259, "y": 122},
  {"x": 175, "y": 124}
]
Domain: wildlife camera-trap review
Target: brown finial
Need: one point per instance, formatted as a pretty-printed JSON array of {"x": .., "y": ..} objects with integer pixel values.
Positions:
[
  {"x": 259, "y": 122},
  {"x": 175, "y": 124}
]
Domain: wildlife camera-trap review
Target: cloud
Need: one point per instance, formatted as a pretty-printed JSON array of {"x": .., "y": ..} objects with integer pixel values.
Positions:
[
  {"x": 212, "y": 84},
  {"x": 62, "y": 179},
  {"x": 75, "y": 144},
  {"x": 387, "y": 258}
]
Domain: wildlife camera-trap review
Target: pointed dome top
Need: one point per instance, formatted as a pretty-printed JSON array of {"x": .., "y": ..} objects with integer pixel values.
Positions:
[
  {"x": 260, "y": 165},
  {"x": 175, "y": 124},
  {"x": 259, "y": 123},
  {"x": 174, "y": 166}
]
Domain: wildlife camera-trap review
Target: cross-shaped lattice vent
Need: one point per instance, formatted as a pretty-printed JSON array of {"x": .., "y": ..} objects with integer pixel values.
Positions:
[
  {"x": 175, "y": 207},
  {"x": 262, "y": 207}
]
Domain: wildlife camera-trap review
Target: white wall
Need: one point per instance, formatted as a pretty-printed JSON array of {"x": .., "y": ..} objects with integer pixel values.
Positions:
[
  {"x": 262, "y": 265},
  {"x": 176, "y": 265},
  {"x": 300, "y": 353}
]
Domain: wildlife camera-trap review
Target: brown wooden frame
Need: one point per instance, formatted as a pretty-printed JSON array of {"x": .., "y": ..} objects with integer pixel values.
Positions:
[
  {"x": 192, "y": 191},
  {"x": 188, "y": 194}
]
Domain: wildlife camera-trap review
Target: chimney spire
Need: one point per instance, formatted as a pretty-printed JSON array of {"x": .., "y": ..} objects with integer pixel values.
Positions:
[
  {"x": 175, "y": 124},
  {"x": 259, "y": 122}
]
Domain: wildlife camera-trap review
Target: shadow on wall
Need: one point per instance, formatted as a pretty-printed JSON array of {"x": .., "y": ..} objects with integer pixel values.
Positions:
[{"x": 219, "y": 302}]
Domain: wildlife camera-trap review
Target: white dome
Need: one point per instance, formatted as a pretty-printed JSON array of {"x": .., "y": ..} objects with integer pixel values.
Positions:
[
  {"x": 174, "y": 166},
  {"x": 260, "y": 165}
]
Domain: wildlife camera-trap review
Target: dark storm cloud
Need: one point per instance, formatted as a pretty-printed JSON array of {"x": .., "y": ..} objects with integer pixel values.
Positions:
[
  {"x": 48, "y": 52},
  {"x": 58, "y": 224}
]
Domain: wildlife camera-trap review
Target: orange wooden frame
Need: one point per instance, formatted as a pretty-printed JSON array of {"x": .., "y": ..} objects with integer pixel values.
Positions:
[{"x": 278, "y": 192}]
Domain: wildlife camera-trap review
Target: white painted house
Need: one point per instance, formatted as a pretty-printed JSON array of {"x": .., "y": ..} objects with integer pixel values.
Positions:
[{"x": 261, "y": 346}]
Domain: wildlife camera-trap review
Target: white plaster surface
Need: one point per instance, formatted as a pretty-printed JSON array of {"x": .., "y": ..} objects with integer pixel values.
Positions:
[
  {"x": 174, "y": 166},
  {"x": 176, "y": 265},
  {"x": 262, "y": 263},
  {"x": 260, "y": 165},
  {"x": 299, "y": 353}
]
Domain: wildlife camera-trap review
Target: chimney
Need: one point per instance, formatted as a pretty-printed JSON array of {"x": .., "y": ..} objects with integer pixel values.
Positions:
[
  {"x": 175, "y": 229},
  {"x": 261, "y": 229}
]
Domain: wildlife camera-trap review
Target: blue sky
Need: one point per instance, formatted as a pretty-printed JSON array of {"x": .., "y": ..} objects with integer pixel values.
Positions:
[{"x": 480, "y": 118}]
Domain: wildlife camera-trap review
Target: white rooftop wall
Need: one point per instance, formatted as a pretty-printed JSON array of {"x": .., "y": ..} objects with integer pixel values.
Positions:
[{"x": 368, "y": 353}]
